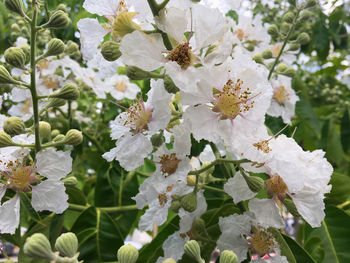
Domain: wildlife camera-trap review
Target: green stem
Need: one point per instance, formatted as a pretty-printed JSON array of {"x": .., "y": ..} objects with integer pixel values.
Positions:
[
  {"x": 210, "y": 188},
  {"x": 33, "y": 35},
  {"x": 284, "y": 45},
  {"x": 70, "y": 114},
  {"x": 81, "y": 208},
  {"x": 94, "y": 141},
  {"x": 218, "y": 161}
]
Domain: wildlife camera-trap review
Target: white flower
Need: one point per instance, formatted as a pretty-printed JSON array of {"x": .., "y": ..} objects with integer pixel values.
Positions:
[
  {"x": 120, "y": 87},
  {"x": 173, "y": 247}
]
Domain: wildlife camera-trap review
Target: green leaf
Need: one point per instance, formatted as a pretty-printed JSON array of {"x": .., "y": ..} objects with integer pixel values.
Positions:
[
  {"x": 307, "y": 116},
  {"x": 300, "y": 255},
  {"x": 285, "y": 250},
  {"x": 340, "y": 188},
  {"x": 315, "y": 248},
  {"x": 320, "y": 39},
  {"x": 233, "y": 14},
  {"x": 345, "y": 131}
]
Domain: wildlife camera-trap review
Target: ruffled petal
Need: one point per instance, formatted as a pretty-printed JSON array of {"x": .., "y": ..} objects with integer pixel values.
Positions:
[{"x": 9, "y": 216}]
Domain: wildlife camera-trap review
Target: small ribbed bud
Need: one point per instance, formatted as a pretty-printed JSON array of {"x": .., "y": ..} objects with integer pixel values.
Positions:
[
  {"x": 273, "y": 30},
  {"x": 289, "y": 204},
  {"x": 135, "y": 73},
  {"x": 69, "y": 91},
  {"x": 70, "y": 181},
  {"x": 38, "y": 246},
  {"x": 281, "y": 67},
  {"x": 228, "y": 256},
  {"x": 55, "y": 103},
  {"x": 303, "y": 38},
  {"x": 59, "y": 138},
  {"x": 258, "y": 58},
  {"x": 191, "y": 180},
  {"x": 175, "y": 206},
  {"x": 71, "y": 47},
  {"x": 157, "y": 139},
  {"x": 250, "y": 47},
  {"x": 169, "y": 260},
  {"x": 67, "y": 245},
  {"x": 62, "y": 7},
  {"x": 310, "y": 3},
  {"x": 289, "y": 72},
  {"x": 5, "y": 77},
  {"x": 44, "y": 131},
  {"x": 55, "y": 47},
  {"x": 15, "y": 27},
  {"x": 14, "y": 126},
  {"x": 73, "y": 137},
  {"x": 254, "y": 183},
  {"x": 189, "y": 202},
  {"x": 293, "y": 46},
  {"x": 58, "y": 19},
  {"x": 288, "y": 17},
  {"x": 198, "y": 228},
  {"x": 305, "y": 15},
  {"x": 54, "y": 133},
  {"x": 15, "y": 6},
  {"x": 110, "y": 50},
  {"x": 285, "y": 27},
  {"x": 15, "y": 57},
  {"x": 127, "y": 254},
  {"x": 193, "y": 250},
  {"x": 26, "y": 49},
  {"x": 5, "y": 139},
  {"x": 169, "y": 85},
  {"x": 267, "y": 53}
]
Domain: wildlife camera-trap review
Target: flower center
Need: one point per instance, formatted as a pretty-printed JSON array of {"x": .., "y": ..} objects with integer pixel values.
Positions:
[
  {"x": 44, "y": 64},
  {"x": 120, "y": 86},
  {"x": 240, "y": 34},
  {"x": 123, "y": 24},
  {"x": 276, "y": 49},
  {"x": 263, "y": 146},
  {"x": 50, "y": 83},
  {"x": 281, "y": 94},
  {"x": 261, "y": 240},
  {"x": 276, "y": 186},
  {"x": 26, "y": 106},
  {"x": 169, "y": 163},
  {"x": 138, "y": 116},
  {"x": 181, "y": 55},
  {"x": 232, "y": 100},
  {"x": 163, "y": 199}
]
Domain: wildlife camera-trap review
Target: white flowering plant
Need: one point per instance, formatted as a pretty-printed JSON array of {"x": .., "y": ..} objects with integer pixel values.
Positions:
[{"x": 175, "y": 131}]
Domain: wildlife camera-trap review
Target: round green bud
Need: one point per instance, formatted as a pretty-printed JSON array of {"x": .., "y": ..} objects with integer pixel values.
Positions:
[
  {"x": 110, "y": 50},
  {"x": 26, "y": 49},
  {"x": 62, "y": 7},
  {"x": 14, "y": 126},
  {"x": 272, "y": 30},
  {"x": 55, "y": 103},
  {"x": 303, "y": 38},
  {"x": 69, "y": 91},
  {"x": 58, "y": 19},
  {"x": 228, "y": 256},
  {"x": 44, "y": 131},
  {"x": 281, "y": 67},
  {"x": 157, "y": 139},
  {"x": 169, "y": 85},
  {"x": 59, "y": 137},
  {"x": 73, "y": 137},
  {"x": 15, "y": 57},
  {"x": 127, "y": 254},
  {"x": 285, "y": 27},
  {"x": 191, "y": 180},
  {"x": 25, "y": 31},
  {"x": 5, "y": 139},
  {"x": 289, "y": 72},
  {"x": 198, "y": 228},
  {"x": 189, "y": 202},
  {"x": 193, "y": 250},
  {"x": 175, "y": 206},
  {"x": 169, "y": 260},
  {"x": 54, "y": 133},
  {"x": 55, "y": 47},
  {"x": 267, "y": 53},
  {"x": 310, "y": 3},
  {"x": 289, "y": 204},
  {"x": 135, "y": 73},
  {"x": 15, "y": 27},
  {"x": 71, "y": 47},
  {"x": 38, "y": 246},
  {"x": 254, "y": 183},
  {"x": 70, "y": 181},
  {"x": 293, "y": 46},
  {"x": 305, "y": 15},
  {"x": 67, "y": 245},
  {"x": 250, "y": 47},
  {"x": 5, "y": 77},
  {"x": 288, "y": 17},
  {"x": 15, "y": 6},
  {"x": 258, "y": 58}
]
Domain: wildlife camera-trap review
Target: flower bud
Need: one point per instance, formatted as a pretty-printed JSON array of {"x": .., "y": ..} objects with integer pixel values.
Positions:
[
  {"x": 15, "y": 27},
  {"x": 289, "y": 204},
  {"x": 303, "y": 38},
  {"x": 58, "y": 19},
  {"x": 54, "y": 133},
  {"x": 157, "y": 139},
  {"x": 272, "y": 30},
  {"x": 67, "y": 244},
  {"x": 14, "y": 126},
  {"x": 175, "y": 206},
  {"x": 5, "y": 139},
  {"x": 193, "y": 250},
  {"x": 310, "y": 3},
  {"x": 267, "y": 53},
  {"x": 73, "y": 137},
  {"x": 55, "y": 103},
  {"x": 38, "y": 246},
  {"x": 228, "y": 256},
  {"x": 135, "y": 73},
  {"x": 70, "y": 181},
  {"x": 55, "y": 47},
  {"x": 285, "y": 27},
  {"x": 110, "y": 50},
  {"x": 127, "y": 254},
  {"x": 258, "y": 58},
  {"x": 254, "y": 183},
  {"x": 15, "y": 57},
  {"x": 198, "y": 228},
  {"x": 44, "y": 131},
  {"x": 5, "y": 77},
  {"x": 293, "y": 46},
  {"x": 69, "y": 91},
  {"x": 289, "y": 72},
  {"x": 288, "y": 17},
  {"x": 281, "y": 67},
  {"x": 59, "y": 138},
  {"x": 169, "y": 260},
  {"x": 305, "y": 15},
  {"x": 191, "y": 180},
  {"x": 250, "y": 47},
  {"x": 71, "y": 47},
  {"x": 15, "y": 6},
  {"x": 189, "y": 202},
  {"x": 62, "y": 7},
  {"x": 169, "y": 85}
]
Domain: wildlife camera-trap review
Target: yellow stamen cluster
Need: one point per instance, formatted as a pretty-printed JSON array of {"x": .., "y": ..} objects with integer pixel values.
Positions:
[
  {"x": 276, "y": 186},
  {"x": 181, "y": 55},
  {"x": 138, "y": 116},
  {"x": 120, "y": 86},
  {"x": 26, "y": 106},
  {"x": 263, "y": 146},
  {"x": 124, "y": 25},
  {"x": 163, "y": 198},
  {"x": 281, "y": 94},
  {"x": 261, "y": 240},
  {"x": 239, "y": 33},
  {"x": 276, "y": 49},
  {"x": 169, "y": 163},
  {"x": 50, "y": 83},
  {"x": 232, "y": 100}
]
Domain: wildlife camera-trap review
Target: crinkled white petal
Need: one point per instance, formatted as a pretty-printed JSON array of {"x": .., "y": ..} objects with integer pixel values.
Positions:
[
  {"x": 9, "y": 215},
  {"x": 102, "y": 7},
  {"x": 238, "y": 189},
  {"x": 266, "y": 212},
  {"x": 154, "y": 215},
  {"x": 182, "y": 141},
  {"x": 173, "y": 247},
  {"x": 117, "y": 126},
  {"x": 53, "y": 164},
  {"x": 50, "y": 195}
]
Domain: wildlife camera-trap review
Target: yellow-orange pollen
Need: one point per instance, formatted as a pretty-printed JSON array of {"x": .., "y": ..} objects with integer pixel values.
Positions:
[
  {"x": 240, "y": 34},
  {"x": 232, "y": 100},
  {"x": 50, "y": 83},
  {"x": 276, "y": 186},
  {"x": 120, "y": 86},
  {"x": 263, "y": 146},
  {"x": 181, "y": 55},
  {"x": 281, "y": 94},
  {"x": 138, "y": 116},
  {"x": 169, "y": 163},
  {"x": 163, "y": 198},
  {"x": 261, "y": 240}
]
